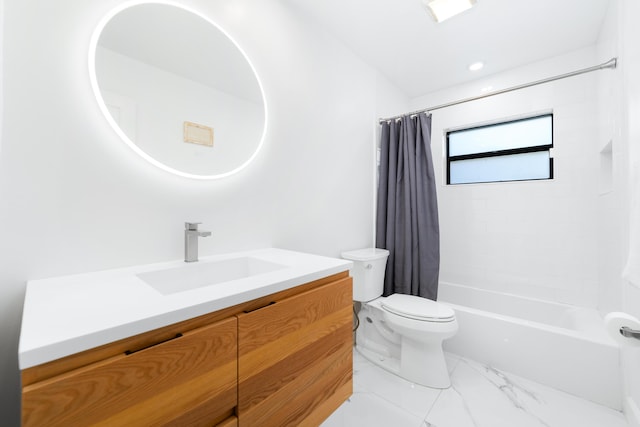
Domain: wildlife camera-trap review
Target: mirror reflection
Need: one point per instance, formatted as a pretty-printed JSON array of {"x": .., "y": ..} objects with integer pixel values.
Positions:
[{"x": 179, "y": 90}]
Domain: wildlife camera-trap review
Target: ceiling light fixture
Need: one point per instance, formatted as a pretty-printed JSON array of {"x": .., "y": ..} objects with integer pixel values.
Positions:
[
  {"x": 445, "y": 9},
  {"x": 476, "y": 66}
]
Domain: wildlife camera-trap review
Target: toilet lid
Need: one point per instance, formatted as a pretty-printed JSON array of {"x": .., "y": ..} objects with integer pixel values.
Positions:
[
  {"x": 418, "y": 308},
  {"x": 367, "y": 254}
]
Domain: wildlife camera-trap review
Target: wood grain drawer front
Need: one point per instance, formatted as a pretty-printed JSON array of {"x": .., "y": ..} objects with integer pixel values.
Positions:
[
  {"x": 190, "y": 380},
  {"x": 295, "y": 358}
]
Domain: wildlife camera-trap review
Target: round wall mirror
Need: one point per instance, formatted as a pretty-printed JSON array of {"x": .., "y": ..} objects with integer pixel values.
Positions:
[{"x": 177, "y": 89}]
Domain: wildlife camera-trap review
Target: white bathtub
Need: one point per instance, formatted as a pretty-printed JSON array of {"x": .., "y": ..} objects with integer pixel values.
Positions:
[{"x": 558, "y": 345}]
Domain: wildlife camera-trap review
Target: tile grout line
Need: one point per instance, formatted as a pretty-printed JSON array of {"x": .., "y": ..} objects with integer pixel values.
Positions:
[{"x": 424, "y": 420}]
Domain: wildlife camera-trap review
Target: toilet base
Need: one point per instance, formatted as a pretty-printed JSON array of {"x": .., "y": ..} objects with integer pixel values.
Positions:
[
  {"x": 423, "y": 363},
  {"x": 417, "y": 361},
  {"x": 423, "y": 375}
]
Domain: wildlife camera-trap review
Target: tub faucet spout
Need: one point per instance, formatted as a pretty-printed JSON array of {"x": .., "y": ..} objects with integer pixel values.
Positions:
[{"x": 191, "y": 234}]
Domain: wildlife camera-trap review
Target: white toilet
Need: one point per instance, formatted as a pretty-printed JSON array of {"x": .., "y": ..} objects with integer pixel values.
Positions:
[{"x": 401, "y": 333}]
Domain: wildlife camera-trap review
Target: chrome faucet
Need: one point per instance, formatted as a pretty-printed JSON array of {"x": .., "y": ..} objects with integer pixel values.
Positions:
[{"x": 191, "y": 235}]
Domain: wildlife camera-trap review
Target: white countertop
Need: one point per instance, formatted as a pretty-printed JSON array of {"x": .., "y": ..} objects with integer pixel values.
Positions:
[{"x": 66, "y": 315}]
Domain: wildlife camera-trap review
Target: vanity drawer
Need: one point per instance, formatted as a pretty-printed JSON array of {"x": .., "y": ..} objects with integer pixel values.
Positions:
[
  {"x": 295, "y": 358},
  {"x": 188, "y": 380}
]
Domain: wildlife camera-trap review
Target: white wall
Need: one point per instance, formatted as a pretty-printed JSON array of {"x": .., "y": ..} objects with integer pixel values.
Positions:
[
  {"x": 1, "y": 68},
  {"x": 619, "y": 217},
  {"x": 73, "y": 198},
  {"x": 535, "y": 238}
]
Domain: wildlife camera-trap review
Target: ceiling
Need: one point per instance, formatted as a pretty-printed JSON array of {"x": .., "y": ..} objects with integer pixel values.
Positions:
[{"x": 401, "y": 39}]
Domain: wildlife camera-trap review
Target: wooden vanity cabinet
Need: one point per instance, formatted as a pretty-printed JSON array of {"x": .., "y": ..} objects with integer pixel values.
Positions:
[
  {"x": 189, "y": 380},
  {"x": 295, "y": 358},
  {"x": 283, "y": 359}
]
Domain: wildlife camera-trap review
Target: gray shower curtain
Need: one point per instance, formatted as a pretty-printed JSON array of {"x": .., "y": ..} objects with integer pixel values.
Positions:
[{"x": 407, "y": 211}]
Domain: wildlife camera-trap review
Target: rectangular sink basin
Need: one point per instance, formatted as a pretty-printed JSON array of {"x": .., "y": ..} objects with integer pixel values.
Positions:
[{"x": 206, "y": 273}]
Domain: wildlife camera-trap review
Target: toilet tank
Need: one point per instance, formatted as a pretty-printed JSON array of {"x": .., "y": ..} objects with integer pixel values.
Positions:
[{"x": 368, "y": 272}]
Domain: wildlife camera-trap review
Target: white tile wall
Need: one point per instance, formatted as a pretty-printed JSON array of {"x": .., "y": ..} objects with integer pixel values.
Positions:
[{"x": 536, "y": 239}]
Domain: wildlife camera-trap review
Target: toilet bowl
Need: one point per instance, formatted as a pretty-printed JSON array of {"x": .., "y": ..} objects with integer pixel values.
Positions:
[{"x": 401, "y": 333}]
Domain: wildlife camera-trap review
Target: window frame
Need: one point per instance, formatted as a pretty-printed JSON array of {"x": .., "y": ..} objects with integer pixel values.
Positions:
[{"x": 500, "y": 153}]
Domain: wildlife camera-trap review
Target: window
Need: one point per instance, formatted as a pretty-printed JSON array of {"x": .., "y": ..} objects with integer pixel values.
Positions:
[{"x": 516, "y": 150}]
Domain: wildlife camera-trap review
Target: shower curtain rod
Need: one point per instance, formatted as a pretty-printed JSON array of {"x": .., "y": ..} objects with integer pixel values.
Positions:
[{"x": 609, "y": 64}]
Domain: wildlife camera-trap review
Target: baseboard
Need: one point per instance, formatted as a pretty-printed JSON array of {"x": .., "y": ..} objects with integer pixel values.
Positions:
[{"x": 631, "y": 411}]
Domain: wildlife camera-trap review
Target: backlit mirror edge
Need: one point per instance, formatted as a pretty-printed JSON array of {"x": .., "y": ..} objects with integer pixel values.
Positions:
[{"x": 93, "y": 44}]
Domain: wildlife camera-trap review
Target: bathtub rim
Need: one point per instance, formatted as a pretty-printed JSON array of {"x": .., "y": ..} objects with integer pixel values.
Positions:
[{"x": 603, "y": 339}]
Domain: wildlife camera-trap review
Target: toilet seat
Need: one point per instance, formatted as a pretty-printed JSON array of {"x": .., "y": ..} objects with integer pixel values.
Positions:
[{"x": 418, "y": 308}]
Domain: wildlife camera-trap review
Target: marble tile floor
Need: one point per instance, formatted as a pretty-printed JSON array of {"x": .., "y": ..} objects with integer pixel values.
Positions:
[{"x": 480, "y": 396}]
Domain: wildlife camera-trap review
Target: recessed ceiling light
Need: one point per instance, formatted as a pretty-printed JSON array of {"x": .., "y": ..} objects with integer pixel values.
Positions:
[
  {"x": 445, "y": 9},
  {"x": 476, "y": 66}
]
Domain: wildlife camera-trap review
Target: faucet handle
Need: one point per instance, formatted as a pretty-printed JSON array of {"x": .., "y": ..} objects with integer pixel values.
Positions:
[{"x": 191, "y": 226}]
